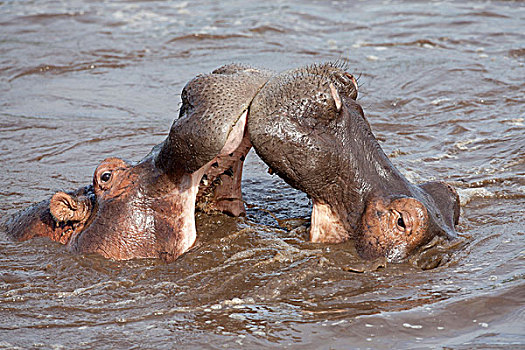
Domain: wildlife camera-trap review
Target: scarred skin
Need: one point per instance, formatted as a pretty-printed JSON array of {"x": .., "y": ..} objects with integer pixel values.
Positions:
[
  {"x": 146, "y": 210},
  {"x": 316, "y": 137}
]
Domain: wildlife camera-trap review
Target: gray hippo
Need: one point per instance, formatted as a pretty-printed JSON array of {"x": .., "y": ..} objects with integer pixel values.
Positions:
[
  {"x": 146, "y": 210},
  {"x": 306, "y": 125}
]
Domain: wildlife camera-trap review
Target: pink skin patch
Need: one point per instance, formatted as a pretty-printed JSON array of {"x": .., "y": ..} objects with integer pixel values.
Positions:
[{"x": 326, "y": 227}]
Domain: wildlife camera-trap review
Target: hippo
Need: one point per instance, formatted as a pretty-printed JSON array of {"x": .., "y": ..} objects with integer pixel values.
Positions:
[
  {"x": 146, "y": 209},
  {"x": 307, "y": 126}
]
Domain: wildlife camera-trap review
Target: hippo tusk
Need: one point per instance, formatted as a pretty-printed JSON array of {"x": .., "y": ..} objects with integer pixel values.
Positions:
[{"x": 336, "y": 97}]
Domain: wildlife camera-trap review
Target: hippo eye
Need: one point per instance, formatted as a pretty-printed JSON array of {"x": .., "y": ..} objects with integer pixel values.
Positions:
[
  {"x": 401, "y": 222},
  {"x": 105, "y": 176}
]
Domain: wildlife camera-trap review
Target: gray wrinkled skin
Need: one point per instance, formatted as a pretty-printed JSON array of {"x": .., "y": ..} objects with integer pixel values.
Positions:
[
  {"x": 211, "y": 105},
  {"x": 304, "y": 139}
]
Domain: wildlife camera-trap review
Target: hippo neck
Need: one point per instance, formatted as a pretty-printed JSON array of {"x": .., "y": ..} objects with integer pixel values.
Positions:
[{"x": 176, "y": 191}]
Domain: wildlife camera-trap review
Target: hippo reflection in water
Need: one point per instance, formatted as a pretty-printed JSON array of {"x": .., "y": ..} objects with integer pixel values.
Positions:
[{"x": 304, "y": 123}]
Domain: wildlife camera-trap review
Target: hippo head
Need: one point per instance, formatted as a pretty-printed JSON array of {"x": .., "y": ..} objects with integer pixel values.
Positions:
[
  {"x": 146, "y": 210},
  {"x": 306, "y": 125}
]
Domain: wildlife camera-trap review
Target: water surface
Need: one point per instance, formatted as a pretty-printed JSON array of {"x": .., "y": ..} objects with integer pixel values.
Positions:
[{"x": 442, "y": 84}]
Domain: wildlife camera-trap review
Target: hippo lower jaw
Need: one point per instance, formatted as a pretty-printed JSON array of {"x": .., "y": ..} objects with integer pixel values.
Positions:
[{"x": 223, "y": 174}]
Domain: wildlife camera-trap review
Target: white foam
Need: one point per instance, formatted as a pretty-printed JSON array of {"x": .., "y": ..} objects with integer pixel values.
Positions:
[
  {"x": 438, "y": 101},
  {"x": 239, "y": 317},
  {"x": 462, "y": 145},
  {"x": 413, "y": 326},
  {"x": 515, "y": 121},
  {"x": 468, "y": 194}
]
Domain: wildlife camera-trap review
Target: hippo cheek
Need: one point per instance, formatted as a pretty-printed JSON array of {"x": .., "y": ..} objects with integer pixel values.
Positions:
[
  {"x": 118, "y": 231},
  {"x": 392, "y": 228},
  {"x": 143, "y": 220}
]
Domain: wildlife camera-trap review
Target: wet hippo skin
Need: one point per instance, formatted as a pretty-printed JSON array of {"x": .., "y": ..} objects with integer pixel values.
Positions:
[
  {"x": 146, "y": 209},
  {"x": 306, "y": 125},
  {"x": 57, "y": 218}
]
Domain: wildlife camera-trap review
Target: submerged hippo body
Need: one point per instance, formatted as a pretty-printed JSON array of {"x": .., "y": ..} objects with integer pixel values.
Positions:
[
  {"x": 146, "y": 210},
  {"x": 316, "y": 137}
]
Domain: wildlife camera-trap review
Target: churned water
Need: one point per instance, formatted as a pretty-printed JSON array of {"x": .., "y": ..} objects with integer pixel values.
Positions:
[{"x": 442, "y": 84}]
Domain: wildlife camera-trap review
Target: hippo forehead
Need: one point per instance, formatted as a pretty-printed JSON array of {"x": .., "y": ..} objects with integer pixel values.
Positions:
[{"x": 211, "y": 105}]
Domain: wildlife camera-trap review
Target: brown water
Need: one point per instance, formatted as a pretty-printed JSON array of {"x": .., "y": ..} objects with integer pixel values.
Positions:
[{"x": 442, "y": 84}]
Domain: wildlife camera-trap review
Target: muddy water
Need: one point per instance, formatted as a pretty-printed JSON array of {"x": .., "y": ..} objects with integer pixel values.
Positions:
[{"x": 443, "y": 86}]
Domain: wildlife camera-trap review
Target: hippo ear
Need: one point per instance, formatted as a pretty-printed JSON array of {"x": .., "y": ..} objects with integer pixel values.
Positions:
[
  {"x": 447, "y": 202},
  {"x": 64, "y": 207}
]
